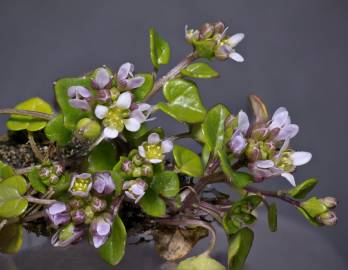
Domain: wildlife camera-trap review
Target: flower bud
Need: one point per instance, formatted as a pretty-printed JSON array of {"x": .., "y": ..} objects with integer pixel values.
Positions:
[
  {"x": 58, "y": 214},
  {"x": 135, "y": 189},
  {"x": 100, "y": 229},
  {"x": 147, "y": 170},
  {"x": 206, "y": 31},
  {"x": 219, "y": 27},
  {"x": 127, "y": 166},
  {"x": 44, "y": 172},
  {"x": 329, "y": 202},
  {"x": 54, "y": 179},
  {"x": 76, "y": 203},
  {"x": 89, "y": 214},
  {"x": 103, "y": 183},
  {"x": 78, "y": 216},
  {"x": 137, "y": 160},
  {"x": 103, "y": 95},
  {"x": 136, "y": 172},
  {"x": 328, "y": 218},
  {"x": 67, "y": 235},
  {"x": 89, "y": 129},
  {"x": 98, "y": 204}
]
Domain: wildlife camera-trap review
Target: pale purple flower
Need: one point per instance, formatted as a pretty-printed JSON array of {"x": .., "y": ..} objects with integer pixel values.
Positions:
[
  {"x": 67, "y": 235},
  {"x": 282, "y": 123},
  {"x": 103, "y": 183},
  {"x": 103, "y": 78},
  {"x": 100, "y": 229},
  {"x": 81, "y": 185},
  {"x": 58, "y": 214},
  {"x": 141, "y": 112},
  {"x": 238, "y": 142},
  {"x": 135, "y": 189},
  {"x": 79, "y": 97},
  {"x": 125, "y": 78},
  {"x": 226, "y": 48},
  {"x": 154, "y": 149}
]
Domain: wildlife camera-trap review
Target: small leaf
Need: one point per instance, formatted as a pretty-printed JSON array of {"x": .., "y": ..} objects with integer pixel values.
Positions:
[
  {"x": 141, "y": 92},
  {"x": 17, "y": 182},
  {"x": 6, "y": 171},
  {"x": 103, "y": 157},
  {"x": 213, "y": 127},
  {"x": 259, "y": 109},
  {"x": 314, "y": 207},
  {"x": 301, "y": 191},
  {"x": 184, "y": 103},
  {"x": 152, "y": 204},
  {"x": 159, "y": 49},
  {"x": 272, "y": 217},
  {"x": 11, "y": 238},
  {"x": 201, "y": 262},
  {"x": 310, "y": 219},
  {"x": 239, "y": 248},
  {"x": 200, "y": 70},
  {"x": 166, "y": 183},
  {"x": 35, "y": 181},
  {"x": 56, "y": 131},
  {"x": 11, "y": 202},
  {"x": 71, "y": 115},
  {"x": 114, "y": 248},
  {"x": 187, "y": 161},
  {"x": 30, "y": 123}
]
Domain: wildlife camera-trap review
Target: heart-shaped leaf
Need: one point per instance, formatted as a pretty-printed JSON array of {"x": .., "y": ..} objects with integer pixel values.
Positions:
[
  {"x": 200, "y": 70},
  {"x": 114, "y": 248},
  {"x": 239, "y": 247},
  {"x": 187, "y": 161},
  {"x": 202, "y": 262},
  {"x": 272, "y": 217},
  {"x": 11, "y": 202},
  {"x": 301, "y": 190},
  {"x": 152, "y": 204},
  {"x": 57, "y": 132},
  {"x": 184, "y": 103},
  {"x": 30, "y": 123},
  {"x": 141, "y": 92},
  {"x": 159, "y": 49},
  {"x": 166, "y": 183},
  {"x": 6, "y": 171},
  {"x": 11, "y": 238}
]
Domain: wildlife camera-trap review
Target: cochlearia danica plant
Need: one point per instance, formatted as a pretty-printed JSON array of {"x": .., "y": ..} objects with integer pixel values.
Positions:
[{"x": 100, "y": 168}]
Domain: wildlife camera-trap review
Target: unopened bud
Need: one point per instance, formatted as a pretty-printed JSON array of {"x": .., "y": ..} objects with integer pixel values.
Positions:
[
  {"x": 206, "y": 31},
  {"x": 54, "y": 179},
  {"x": 98, "y": 204},
  {"x": 89, "y": 214},
  {"x": 328, "y": 218},
  {"x": 127, "y": 166},
  {"x": 137, "y": 172},
  {"x": 329, "y": 202},
  {"x": 76, "y": 203},
  {"x": 78, "y": 216},
  {"x": 137, "y": 160},
  {"x": 103, "y": 95},
  {"x": 89, "y": 129},
  {"x": 219, "y": 27},
  {"x": 44, "y": 172},
  {"x": 147, "y": 170}
]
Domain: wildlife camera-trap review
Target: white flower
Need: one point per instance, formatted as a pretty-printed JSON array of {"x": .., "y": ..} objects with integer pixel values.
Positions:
[
  {"x": 154, "y": 149},
  {"x": 282, "y": 122},
  {"x": 226, "y": 49},
  {"x": 135, "y": 189}
]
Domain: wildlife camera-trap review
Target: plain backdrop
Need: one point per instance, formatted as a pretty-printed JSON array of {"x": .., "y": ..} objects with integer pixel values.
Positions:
[{"x": 296, "y": 56}]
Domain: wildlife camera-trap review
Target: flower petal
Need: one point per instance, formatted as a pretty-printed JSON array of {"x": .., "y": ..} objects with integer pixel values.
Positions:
[
  {"x": 301, "y": 158},
  {"x": 243, "y": 122},
  {"x": 98, "y": 240},
  {"x": 132, "y": 124},
  {"x": 167, "y": 146},
  {"x": 124, "y": 71},
  {"x": 287, "y": 132},
  {"x": 153, "y": 138},
  {"x": 77, "y": 90},
  {"x": 110, "y": 133},
  {"x": 80, "y": 104},
  {"x": 264, "y": 164},
  {"x": 155, "y": 160},
  {"x": 124, "y": 100},
  {"x": 237, "y": 143},
  {"x": 138, "y": 115},
  {"x": 57, "y": 208},
  {"x": 237, "y": 57},
  {"x": 103, "y": 228},
  {"x": 141, "y": 151},
  {"x": 280, "y": 118},
  {"x": 289, "y": 177},
  {"x": 236, "y": 39},
  {"x": 102, "y": 78},
  {"x": 101, "y": 111},
  {"x": 135, "y": 82}
]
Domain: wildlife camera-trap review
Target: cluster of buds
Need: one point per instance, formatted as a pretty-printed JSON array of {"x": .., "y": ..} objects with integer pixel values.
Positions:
[
  {"x": 87, "y": 210},
  {"x": 321, "y": 210},
  {"x": 265, "y": 143},
  {"x": 136, "y": 166},
  {"x": 211, "y": 40},
  {"x": 50, "y": 174}
]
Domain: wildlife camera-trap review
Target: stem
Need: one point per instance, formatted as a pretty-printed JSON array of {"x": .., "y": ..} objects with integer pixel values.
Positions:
[
  {"x": 34, "y": 216},
  {"x": 3, "y": 224},
  {"x": 175, "y": 71},
  {"x": 40, "y": 115},
  {"x": 34, "y": 147},
  {"x": 39, "y": 201}
]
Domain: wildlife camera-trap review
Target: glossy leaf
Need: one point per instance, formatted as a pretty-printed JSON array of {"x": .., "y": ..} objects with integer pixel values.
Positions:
[
  {"x": 71, "y": 115},
  {"x": 6, "y": 171},
  {"x": 184, "y": 103},
  {"x": 310, "y": 219},
  {"x": 272, "y": 217},
  {"x": 11, "y": 238},
  {"x": 17, "y": 182},
  {"x": 56, "y": 131},
  {"x": 11, "y": 202},
  {"x": 166, "y": 183},
  {"x": 141, "y": 92},
  {"x": 205, "y": 48},
  {"x": 259, "y": 109},
  {"x": 159, "y": 49},
  {"x": 30, "y": 123},
  {"x": 152, "y": 204},
  {"x": 314, "y": 207},
  {"x": 239, "y": 248},
  {"x": 35, "y": 181},
  {"x": 102, "y": 158},
  {"x": 201, "y": 262},
  {"x": 187, "y": 161},
  {"x": 200, "y": 70},
  {"x": 301, "y": 190},
  {"x": 213, "y": 128},
  {"x": 113, "y": 250}
]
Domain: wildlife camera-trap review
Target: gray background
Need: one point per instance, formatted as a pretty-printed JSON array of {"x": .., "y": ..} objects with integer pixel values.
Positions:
[{"x": 296, "y": 56}]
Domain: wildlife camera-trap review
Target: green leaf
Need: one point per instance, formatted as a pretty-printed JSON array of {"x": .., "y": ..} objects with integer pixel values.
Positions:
[
  {"x": 152, "y": 204},
  {"x": 71, "y": 115},
  {"x": 118, "y": 180},
  {"x": 310, "y": 219},
  {"x": 35, "y": 181},
  {"x": 17, "y": 182},
  {"x": 159, "y": 49},
  {"x": 166, "y": 183},
  {"x": 11, "y": 238},
  {"x": 213, "y": 128},
  {"x": 314, "y": 207},
  {"x": 187, "y": 161},
  {"x": 114, "y": 248},
  {"x": 272, "y": 217},
  {"x": 200, "y": 70},
  {"x": 184, "y": 103},
  {"x": 102, "y": 158},
  {"x": 6, "y": 171},
  {"x": 239, "y": 247},
  {"x": 30, "y": 123},
  {"x": 56, "y": 131},
  {"x": 141, "y": 92},
  {"x": 11, "y": 202},
  {"x": 301, "y": 191},
  {"x": 201, "y": 262}
]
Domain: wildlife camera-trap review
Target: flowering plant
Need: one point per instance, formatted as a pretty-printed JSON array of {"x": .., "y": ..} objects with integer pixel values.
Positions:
[{"x": 97, "y": 169}]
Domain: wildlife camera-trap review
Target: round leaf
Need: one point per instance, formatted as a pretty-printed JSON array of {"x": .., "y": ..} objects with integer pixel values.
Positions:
[
  {"x": 57, "y": 132},
  {"x": 152, "y": 204},
  {"x": 166, "y": 183},
  {"x": 141, "y": 92},
  {"x": 202, "y": 262},
  {"x": 159, "y": 49},
  {"x": 11, "y": 202},
  {"x": 187, "y": 161},
  {"x": 200, "y": 70},
  {"x": 11, "y": 238},
  {"x": 17, "y": 182}
]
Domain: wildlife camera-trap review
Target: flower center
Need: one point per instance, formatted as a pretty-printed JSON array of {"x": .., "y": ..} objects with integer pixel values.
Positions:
[
  {"x": 153, "y": 151},
  {"x": 81, "y": 184},
  {"x": 285, "y": 163},
  {"x": 114, "y": 118}
]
